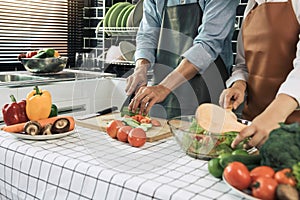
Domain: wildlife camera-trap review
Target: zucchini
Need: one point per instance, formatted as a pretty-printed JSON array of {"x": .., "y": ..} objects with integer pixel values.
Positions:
[{"x": 249, "y": 160}]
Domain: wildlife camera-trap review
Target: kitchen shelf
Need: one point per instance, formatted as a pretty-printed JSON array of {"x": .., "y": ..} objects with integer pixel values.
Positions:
[{"x": 118, "y": 31}]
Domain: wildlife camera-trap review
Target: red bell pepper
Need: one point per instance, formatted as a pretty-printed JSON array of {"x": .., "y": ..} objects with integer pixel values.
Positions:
[{"x": 15, "y": 112}]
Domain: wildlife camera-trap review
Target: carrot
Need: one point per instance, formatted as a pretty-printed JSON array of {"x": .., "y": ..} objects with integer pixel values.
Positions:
[{"x": 17, "y": 128}]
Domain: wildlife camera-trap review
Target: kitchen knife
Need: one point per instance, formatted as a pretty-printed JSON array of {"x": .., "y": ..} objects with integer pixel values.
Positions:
[
  {"x": 126, "y": 103},
  {"x": 102, "y": 112}
]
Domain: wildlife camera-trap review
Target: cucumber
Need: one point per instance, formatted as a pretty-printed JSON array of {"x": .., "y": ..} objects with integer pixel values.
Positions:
[
  {"x": 147, "y": 125},
  {"x": 131, "y": 122},
  {"x": 248, "y": 160},
  {"x": 143, "y": 127}
]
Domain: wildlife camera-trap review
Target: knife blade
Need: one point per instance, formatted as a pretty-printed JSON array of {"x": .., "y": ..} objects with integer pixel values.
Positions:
[
  {"x": 126, "y": 103},
  {"x": 102, "y": 112}
]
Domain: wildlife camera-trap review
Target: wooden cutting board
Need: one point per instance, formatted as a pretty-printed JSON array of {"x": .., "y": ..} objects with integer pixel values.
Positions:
[{"x": 100, "y": 123}]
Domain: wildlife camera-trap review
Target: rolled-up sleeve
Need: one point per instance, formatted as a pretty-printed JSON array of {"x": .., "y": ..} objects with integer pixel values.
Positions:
[
  {"x": 147, "y": 36},
  {"x": 217, "y": 25}
]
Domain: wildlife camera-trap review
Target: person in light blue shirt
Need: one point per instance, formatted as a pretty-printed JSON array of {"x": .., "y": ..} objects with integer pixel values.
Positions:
[{"x": 179, "y": 40}]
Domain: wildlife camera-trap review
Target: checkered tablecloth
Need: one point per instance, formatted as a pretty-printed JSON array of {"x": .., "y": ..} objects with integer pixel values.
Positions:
[{"x": 90, "y": 165}]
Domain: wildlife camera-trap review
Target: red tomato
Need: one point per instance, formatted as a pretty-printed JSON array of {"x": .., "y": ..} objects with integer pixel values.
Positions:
[
  {"x": 237, "y": 175},
  {"x": 155, "y": 122},
  {"x": 262, "y": 171},
  {"x": 29, "y": 54},
  {"x": 264, "y": 188},
  {"x": 122, "y": 133},
  {"x": 113, "y": 127},
  {"x": 285, "y": 176},
  {"x": 137, "y": 137}
]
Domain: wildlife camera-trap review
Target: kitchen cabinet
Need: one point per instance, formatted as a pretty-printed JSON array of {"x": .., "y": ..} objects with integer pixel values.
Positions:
[{"x": 77, "y": 97}]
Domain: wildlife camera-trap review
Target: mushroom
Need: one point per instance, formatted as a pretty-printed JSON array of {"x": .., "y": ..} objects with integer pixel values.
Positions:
[
  {"x": 32, "y": 128},
  {"x": 61, "y": 125},
  {"x": 47, "y": 129}
]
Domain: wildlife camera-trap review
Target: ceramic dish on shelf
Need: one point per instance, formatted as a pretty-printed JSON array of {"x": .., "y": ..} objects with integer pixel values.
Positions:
[
  {"x": 112, "y": 20},
  {"x": 136, "y": 15},
  {"x": 127, "y": 50},
  {"x": 245, "y": 193},
  {"x": 42, "y": 137},
  {"x": 121, "y": 14},
  {"x": 125, "y": 16}
]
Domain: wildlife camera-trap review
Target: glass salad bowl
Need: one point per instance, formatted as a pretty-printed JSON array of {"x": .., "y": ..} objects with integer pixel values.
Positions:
[{"x": 198, "y": 143}]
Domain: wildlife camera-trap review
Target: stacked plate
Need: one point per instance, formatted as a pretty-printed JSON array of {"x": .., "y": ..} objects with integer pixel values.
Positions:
[{"x": 124, "y": 14}]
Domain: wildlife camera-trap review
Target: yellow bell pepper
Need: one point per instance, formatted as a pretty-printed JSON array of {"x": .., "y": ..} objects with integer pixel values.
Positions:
[{"x": 38, "y": 104}]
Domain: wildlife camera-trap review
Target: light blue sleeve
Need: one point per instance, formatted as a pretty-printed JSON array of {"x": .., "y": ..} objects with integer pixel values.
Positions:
[
  {"x": 148, "y": 33},
  {"x": 216, "y": 29}
]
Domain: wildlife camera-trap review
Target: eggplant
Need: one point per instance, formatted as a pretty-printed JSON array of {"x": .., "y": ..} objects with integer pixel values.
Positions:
[
  {"x": 32, "y": 128},
  {"x": 61, "y": 125}
]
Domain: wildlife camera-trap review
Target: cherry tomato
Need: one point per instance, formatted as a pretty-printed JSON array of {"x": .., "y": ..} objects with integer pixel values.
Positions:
[
  {"x": 113, "y": 127},
  {"x": 137, "y": 137},
  {"x": 264, "y": 188},
  {"x": 122, "y": 133},
  {"x": 262, "y": 171},
  {"x": 285, "y": 176},
  {"x": 237, "y": 175}
]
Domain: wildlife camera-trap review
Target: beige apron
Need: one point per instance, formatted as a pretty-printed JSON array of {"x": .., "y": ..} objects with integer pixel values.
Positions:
[{"x": 270, "y": 35}]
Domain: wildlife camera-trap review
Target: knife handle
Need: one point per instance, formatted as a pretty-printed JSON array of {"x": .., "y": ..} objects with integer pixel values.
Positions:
[{"x": 108, "y": 110}]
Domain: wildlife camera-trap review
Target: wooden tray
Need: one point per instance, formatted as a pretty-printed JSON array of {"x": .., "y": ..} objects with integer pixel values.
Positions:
[{"x": 100, "y": 123}]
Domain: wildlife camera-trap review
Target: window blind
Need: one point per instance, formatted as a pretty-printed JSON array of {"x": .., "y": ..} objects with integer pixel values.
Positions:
[{"x": 27, "y": 25}]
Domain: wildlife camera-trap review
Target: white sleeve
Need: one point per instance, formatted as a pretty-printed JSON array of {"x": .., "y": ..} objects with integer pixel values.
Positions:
[
  {"x": 239, "y": 71},
  {"x": 291, "y": 86}
]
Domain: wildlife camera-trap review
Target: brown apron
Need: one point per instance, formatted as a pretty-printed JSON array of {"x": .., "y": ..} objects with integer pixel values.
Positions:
[{"x": 270, "y": 35}]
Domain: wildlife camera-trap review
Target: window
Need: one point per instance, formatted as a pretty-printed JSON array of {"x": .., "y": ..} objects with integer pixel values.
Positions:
[{"x": 27, "y": 25}]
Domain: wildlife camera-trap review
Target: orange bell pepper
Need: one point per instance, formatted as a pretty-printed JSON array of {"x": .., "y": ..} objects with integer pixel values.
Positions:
[{"x": 38, "y": 104}]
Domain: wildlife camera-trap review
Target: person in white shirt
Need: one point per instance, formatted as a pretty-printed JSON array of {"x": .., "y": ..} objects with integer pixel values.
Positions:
[{"x": 267, "y": 68}]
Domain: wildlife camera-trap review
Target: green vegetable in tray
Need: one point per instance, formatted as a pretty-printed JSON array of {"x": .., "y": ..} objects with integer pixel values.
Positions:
[
  {"x": 282, "y": 149},
  {"x": 296, "y": 173}
]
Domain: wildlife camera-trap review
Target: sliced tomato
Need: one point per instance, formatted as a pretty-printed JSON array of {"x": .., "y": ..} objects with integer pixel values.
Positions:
[
  {"x": 137, "y": 137},
  {"x": 264, "y": 188},
  {"x": 146, "y": 120},
  {"x": 155, "y": 122},
  {"x": 122, "y": 133},
  {"x": 113, "y": 126},
  {"x": 262, "y": 171},
  {"x": 237, "y": 175}
]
